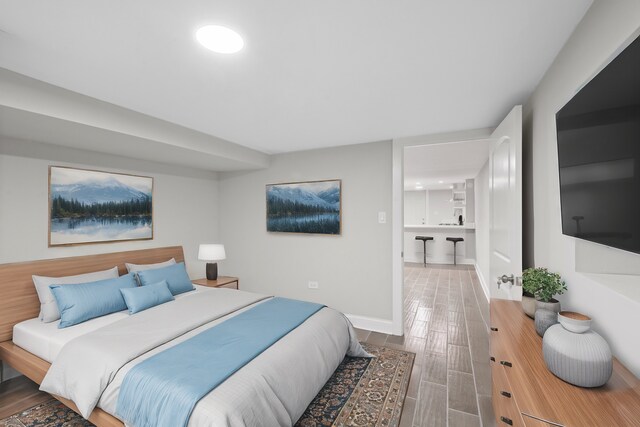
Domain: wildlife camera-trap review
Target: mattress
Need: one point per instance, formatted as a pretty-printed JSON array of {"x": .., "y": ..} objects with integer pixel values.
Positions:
[
  {"x": 45, "y": 340},
  {"x": 273, "y": 389}
]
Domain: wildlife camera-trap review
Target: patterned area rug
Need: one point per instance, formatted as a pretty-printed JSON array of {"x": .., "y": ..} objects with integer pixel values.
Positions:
[
  {"x": 48, "y": 414},
  {"x": 361, "y": 392}
]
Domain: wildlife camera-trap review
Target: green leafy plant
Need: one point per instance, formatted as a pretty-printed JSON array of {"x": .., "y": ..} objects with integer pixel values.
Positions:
[{"x": 543, "y": 284}]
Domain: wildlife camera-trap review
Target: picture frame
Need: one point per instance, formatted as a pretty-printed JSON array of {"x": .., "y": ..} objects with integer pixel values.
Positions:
[
  {"x": 89, "y": 206},
  {"x": 305, "y": 207}
]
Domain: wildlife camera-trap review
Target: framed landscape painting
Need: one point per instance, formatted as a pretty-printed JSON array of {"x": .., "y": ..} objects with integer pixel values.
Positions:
[
  {"x": 87, "y": 206},
  {"x": 312, "y": 207}
]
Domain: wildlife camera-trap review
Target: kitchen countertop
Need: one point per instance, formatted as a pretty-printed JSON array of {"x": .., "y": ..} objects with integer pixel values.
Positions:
[{"x": 441, "y": 227}]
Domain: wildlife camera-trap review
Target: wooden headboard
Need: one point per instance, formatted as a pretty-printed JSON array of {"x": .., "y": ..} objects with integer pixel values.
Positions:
[{"x": 18, "y": 298}]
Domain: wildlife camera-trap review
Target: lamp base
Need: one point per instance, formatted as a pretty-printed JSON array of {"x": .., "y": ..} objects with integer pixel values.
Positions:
[{"x": 212, "y": 271}]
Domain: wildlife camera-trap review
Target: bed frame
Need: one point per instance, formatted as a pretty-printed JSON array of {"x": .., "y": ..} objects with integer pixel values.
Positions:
[{"x": 20, "y": 302}]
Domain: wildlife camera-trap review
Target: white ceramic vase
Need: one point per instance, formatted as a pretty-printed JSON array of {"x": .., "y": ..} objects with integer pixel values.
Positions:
[{"x": 582, "y": 359}]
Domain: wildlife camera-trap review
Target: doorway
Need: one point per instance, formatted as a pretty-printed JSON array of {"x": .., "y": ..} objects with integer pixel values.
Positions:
[
  {"x": 505, "y": 207},
  {"x": 440, "y": 198},
  {"x": 398, "y": 240}
]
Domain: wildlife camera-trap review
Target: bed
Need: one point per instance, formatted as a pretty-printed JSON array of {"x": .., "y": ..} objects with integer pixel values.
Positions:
[{"x": 272, "y": 389}]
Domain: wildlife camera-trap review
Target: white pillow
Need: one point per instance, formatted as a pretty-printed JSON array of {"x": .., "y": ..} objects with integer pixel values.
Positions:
[
  {"x": 48, "y": 306},
  {"x": 131, "y": 268}
]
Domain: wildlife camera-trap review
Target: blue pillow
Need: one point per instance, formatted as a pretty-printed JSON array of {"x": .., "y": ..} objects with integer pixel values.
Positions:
[
  {"x": 144, "y": 297},
  {"x": 175, "y": 275},
  {"x": 81, "y": 302}
]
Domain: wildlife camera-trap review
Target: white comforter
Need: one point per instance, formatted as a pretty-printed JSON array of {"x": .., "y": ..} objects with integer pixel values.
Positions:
[{"x": 272, "y": 390}]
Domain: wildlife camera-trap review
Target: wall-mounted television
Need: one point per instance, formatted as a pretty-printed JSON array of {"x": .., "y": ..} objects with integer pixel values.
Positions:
[{"x": 598, "y": 134}]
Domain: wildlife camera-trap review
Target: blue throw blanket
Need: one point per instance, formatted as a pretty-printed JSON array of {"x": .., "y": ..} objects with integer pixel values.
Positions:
[{"x": 163, "y": 390}]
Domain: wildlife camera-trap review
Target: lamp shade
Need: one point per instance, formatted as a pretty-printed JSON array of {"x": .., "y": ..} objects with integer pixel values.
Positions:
[{"x": 211, "y": 252}]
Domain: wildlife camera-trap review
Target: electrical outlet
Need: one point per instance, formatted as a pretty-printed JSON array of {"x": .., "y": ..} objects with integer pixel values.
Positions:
[
  {"x": 313, "y": 284},
  {"x": 382, "y": 217}
]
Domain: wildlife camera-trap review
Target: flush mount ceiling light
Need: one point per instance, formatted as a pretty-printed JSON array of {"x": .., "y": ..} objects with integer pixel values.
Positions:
[
  {"x": 440, "y": 182},
  {"x": 219, "y": 39}
]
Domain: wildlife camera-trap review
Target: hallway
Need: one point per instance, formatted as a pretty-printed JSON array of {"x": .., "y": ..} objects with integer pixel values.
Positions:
[{"x": 446, "y": 325}]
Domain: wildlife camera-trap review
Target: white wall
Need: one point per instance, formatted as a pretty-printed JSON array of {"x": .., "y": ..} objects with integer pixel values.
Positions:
[
  {"x": 605, "y": 27},
  {"x": 470, "y": 201},
  {"x": 481, "y": 195},
  {"x": 185, "y": 204},
  {"x": 353, "y": 270},
  {"x": 415, "y": 207},
  {"x": 440, "y": 206}
]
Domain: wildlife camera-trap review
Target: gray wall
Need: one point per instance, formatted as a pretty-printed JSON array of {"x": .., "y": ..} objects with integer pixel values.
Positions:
[
  {"x": 605, "y": 27},
  {"x": 185, "y": 204},
  {"x": 353, "y": 270}
]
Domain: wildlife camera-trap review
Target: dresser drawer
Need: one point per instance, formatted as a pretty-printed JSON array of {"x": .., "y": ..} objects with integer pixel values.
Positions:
[
  {"x": 548, "y": 399},
  {"x": 534, "y": 422},
  {"x": 504, "y": 402}
]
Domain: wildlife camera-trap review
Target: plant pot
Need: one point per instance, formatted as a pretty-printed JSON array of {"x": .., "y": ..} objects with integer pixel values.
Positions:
[
  {"x": 544, "y": 319},
  {"x": 574, "y": 322},
  {"x": 552, "y": 305},
  {"x": 529, "y": 305}
]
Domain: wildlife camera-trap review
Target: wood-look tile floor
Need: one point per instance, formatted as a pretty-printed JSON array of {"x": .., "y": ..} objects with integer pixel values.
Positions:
[
  {"x": 18, "y": 394},
  {"x": 446, "y": 324}
]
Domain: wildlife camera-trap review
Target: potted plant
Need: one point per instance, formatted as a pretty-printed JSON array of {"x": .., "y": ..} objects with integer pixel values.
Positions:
[
  {"x": 530, "y": 279},
  {"x": 548, "y": 285}
]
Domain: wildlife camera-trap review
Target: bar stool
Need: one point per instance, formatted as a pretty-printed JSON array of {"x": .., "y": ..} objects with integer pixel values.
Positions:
[
  {"x": 424, "y": 244},
  {"x": 455, "y": 240}
]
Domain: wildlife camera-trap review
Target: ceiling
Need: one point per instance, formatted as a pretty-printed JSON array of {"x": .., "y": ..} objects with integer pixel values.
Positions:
[
  {"x": 312, "y": 74},
  {"x": 450, "y": 163}
]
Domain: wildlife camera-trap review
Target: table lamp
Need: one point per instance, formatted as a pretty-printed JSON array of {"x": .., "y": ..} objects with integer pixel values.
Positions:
[{"x": 211, "y": 252}]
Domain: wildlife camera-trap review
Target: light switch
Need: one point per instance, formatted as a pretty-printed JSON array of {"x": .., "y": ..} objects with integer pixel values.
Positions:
[{"x": 382, "y": 217}]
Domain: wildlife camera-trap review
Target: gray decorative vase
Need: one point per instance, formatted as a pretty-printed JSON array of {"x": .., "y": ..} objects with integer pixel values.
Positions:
[
  {"x": 583, "y": 359},
  {"x": 529, "y": 306},
  {"x": 545, "y": 319},
  {"x": 546, "y": 315},
  {"x": 552, "y": 305}
]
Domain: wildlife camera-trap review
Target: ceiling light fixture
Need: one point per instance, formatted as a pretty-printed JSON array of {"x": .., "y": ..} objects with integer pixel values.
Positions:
[
  {"x": 440, "y": 182},
  {"x": 219, "y": 39}
]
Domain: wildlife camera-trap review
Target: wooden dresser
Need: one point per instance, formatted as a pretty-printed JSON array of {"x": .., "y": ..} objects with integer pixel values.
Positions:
[{"x": 526, "y": 393}]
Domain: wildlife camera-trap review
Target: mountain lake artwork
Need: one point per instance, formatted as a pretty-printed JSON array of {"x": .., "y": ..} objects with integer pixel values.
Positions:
[
  {"x": 88, "y": 206},
  {"x": 304, "y": 207}
]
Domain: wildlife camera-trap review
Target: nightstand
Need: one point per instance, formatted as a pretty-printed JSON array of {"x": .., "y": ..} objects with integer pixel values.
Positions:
[{"x": 222, "y": 282}]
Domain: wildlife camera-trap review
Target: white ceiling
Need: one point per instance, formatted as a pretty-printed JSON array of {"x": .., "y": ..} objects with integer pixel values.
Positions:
[
  {"x": 450, "y": 163},
  {"x": 312, "y": 74}
]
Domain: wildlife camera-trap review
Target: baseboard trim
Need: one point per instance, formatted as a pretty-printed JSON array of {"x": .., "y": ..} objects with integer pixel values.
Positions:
[
  {"x": 371, "y": 323},
  {"x": 483, "y": 284},
  {"x": 465, "y": 261}
]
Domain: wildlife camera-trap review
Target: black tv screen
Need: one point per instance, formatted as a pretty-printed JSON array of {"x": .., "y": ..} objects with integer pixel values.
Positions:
[{"x": 599, "y": 156}]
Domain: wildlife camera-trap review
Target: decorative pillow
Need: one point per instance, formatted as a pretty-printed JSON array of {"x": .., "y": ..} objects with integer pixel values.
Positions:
[
  {"x": 175, "y": 275},
  {"x": 48, "y": 307},
  {"x": 144, "y": 297},
  {"x": 131, "y": 268},
  {"x": 85, "y": 301}
]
